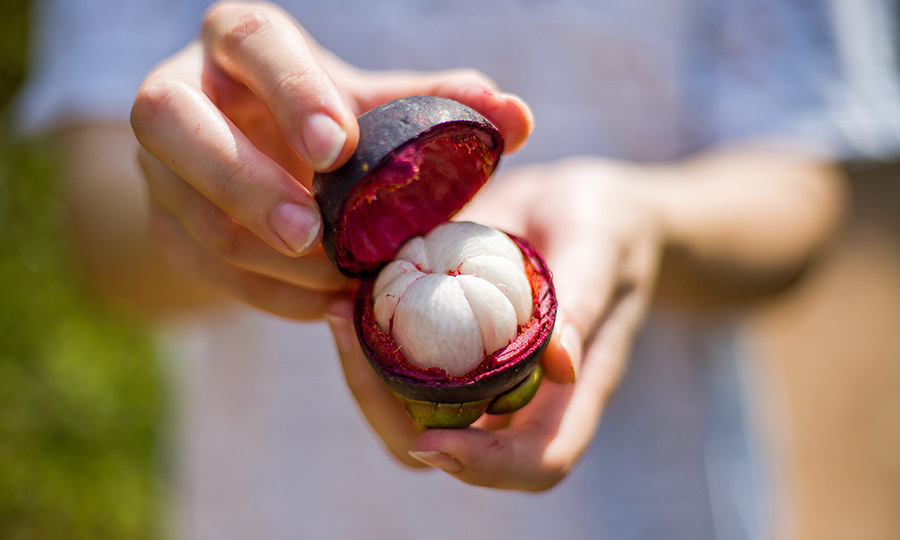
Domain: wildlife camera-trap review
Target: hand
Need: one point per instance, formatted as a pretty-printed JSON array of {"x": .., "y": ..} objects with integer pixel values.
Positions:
[
  {"x": 234, "y": 126},
  {"x": 602, "y": 240}
]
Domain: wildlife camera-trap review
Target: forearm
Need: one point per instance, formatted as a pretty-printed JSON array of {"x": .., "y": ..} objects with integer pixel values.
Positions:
[
  {"x": 743, "y": 222},
  {"x": 106, "y": 199}
]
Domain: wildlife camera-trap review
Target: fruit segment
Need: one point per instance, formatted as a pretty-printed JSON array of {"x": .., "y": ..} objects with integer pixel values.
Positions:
[{"x": 453, "y": 296}]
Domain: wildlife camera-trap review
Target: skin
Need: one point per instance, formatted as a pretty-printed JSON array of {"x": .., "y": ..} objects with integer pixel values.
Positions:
[{"x": 232, "y": 127}]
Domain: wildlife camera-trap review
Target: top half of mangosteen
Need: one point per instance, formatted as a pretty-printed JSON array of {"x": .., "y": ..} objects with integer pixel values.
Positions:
[{"x": 418, "y": 162}]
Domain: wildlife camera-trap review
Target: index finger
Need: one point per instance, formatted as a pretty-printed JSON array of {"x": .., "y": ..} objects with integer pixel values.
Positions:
[
  {"x": 177, "y": 122},
  {"x": 265, "y": 49},
  {"x": 508, "y": 112}
]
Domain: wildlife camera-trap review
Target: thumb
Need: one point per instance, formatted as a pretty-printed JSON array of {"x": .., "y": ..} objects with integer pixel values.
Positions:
[
  {"x": 584, "y": 279},
  {"x": 510, "y": 113},
  {"x": 562, "y": 359}
]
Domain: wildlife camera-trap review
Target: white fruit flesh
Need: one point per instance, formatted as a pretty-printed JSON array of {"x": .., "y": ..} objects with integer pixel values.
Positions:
[{"x": 453, "y": 296}]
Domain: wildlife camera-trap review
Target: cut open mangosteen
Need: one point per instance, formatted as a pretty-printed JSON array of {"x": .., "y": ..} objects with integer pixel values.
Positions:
[{"x": 418, "y": 162}]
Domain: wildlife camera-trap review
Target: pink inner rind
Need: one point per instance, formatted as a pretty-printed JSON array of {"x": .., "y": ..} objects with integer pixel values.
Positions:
[
  {"x": 419, "y": 186},
  {"x": 496, "y": 374}
]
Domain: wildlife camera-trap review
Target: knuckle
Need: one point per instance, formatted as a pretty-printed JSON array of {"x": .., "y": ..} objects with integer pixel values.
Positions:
[
  {"x": 245, "y": 27},
  {"x": 152, "y": 100},
  {"x": 231, "y": 24},
  {"x": 291, "y": 83}
]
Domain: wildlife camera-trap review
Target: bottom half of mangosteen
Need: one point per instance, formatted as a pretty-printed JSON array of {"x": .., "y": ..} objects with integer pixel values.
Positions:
[{"x": 503, "y": 381}]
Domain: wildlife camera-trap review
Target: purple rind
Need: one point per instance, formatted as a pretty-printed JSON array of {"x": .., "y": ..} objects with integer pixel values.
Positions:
[
  {"x": 382, "y": 131},
  {"x": 433, "y": 385}
]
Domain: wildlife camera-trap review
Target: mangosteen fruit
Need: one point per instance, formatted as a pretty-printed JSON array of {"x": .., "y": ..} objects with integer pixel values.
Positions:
[{"x": 454, "y": 316}]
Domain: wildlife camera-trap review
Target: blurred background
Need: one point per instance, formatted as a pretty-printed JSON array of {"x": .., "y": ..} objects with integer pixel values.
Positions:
[
  {"x": 82, "y": 442},
  {"x": 83, "y": 414}
]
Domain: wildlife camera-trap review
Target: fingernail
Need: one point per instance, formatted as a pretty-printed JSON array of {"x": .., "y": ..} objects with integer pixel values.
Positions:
[
  {"x": 438, "y": 459},
  {"x": 324, "y": 139},
  {"x": 297, "y": 225},
  {"x": 521, "y": 103},
  {"x": 571, "y": 342}
]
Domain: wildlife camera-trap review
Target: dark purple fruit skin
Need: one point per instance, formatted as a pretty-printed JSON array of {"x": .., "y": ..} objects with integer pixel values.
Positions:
[
  {"x": 433, "y": 385},
  {"x": 458, "y": 149},
  {"x": 383, "y": 131}
]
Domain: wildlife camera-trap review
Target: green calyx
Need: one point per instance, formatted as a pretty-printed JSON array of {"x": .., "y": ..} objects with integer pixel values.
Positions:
[
  {"x": 519, "y": 395},
  {"x": 460, "y": 415}
]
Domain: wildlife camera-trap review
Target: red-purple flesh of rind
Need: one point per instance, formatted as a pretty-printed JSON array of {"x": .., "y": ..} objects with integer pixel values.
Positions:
[
  {"x": 418, "y": 162},
  {"x": 498, "y": 372}
]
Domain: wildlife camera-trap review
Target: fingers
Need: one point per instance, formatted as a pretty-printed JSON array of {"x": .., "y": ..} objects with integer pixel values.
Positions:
[
  {"x": 584, "y": 276},
  {"x": 268, "y": 294},
  {"x": 507, "y": 204},
  {"x": 508, "y": 112},
  {"x": 259, "y": 52},
  {"x": 176, "y": 116},
  {"x": 605, "y": 361},
  {"x": 547, "y": 437},
  {"x": 176, "y": 122},
  {"x": 226, "y": 239},
  {"x": 262, "y": 47},
  {"x": 562, "y": 359},
  {"x": 380, "y": 406},
  {"x": 518, "y": 457},
  {"x": 604, "y": 263}
]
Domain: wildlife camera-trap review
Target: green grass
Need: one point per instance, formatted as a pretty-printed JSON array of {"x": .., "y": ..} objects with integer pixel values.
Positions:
[
  {"x": 81, "y": 393},
  {"x": 82, "y": 396}
]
